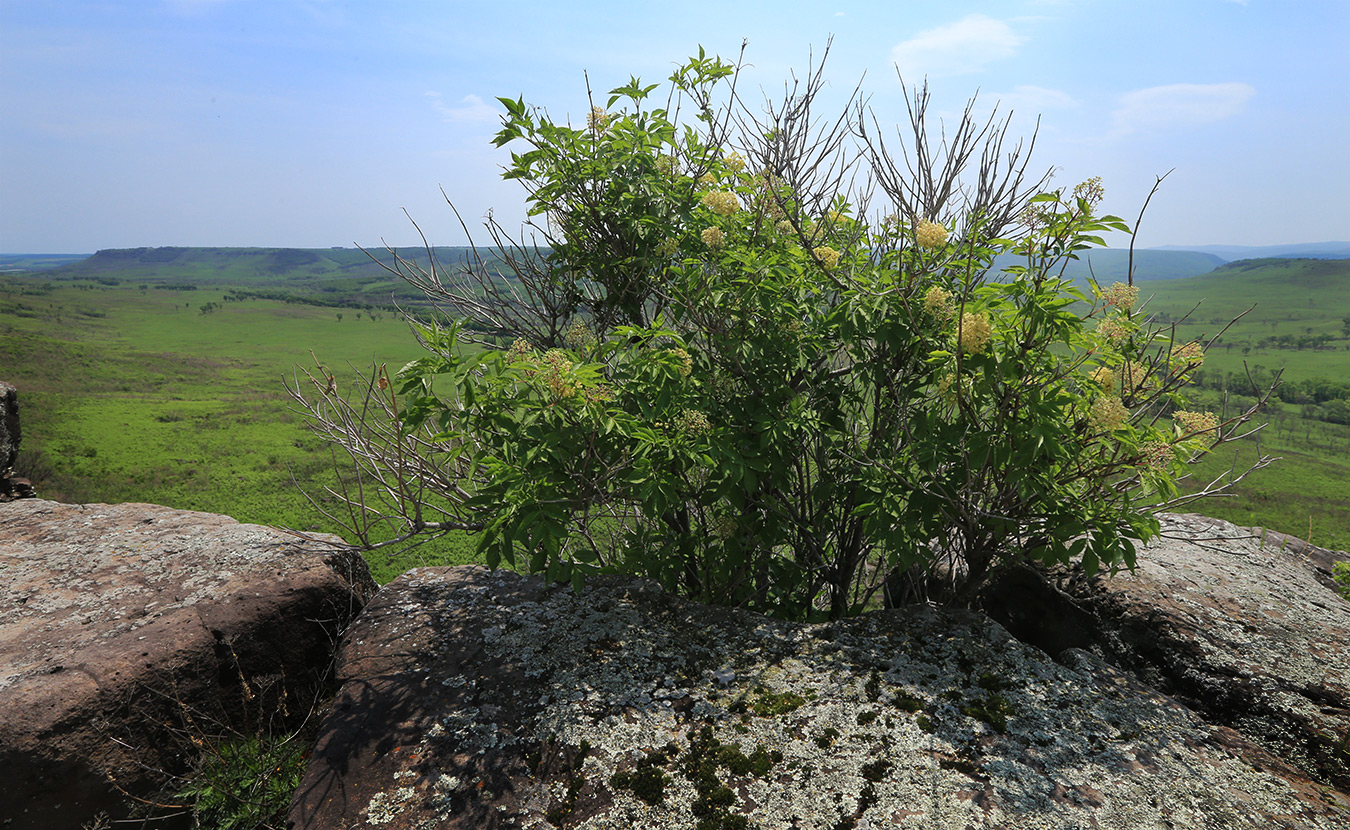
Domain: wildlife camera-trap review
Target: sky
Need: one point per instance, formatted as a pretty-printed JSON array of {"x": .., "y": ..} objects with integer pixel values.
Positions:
[{"x": 318, "y": 123}]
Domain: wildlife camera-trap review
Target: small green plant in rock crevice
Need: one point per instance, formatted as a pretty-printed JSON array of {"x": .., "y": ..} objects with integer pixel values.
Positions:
[
  {"x": 1340, "y": 572},
  {"x": 244, "y": 782}
]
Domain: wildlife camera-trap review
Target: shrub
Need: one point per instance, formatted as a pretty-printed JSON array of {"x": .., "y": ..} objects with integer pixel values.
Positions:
[{"x": 729, "y": 368}]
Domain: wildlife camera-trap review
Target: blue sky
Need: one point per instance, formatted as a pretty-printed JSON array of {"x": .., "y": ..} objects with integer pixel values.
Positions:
[{"x": 310, "y": 123}]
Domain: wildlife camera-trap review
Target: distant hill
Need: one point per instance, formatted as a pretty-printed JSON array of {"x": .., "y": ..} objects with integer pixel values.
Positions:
[
  {"x": 19, "y": 263},
  {"x": 1296, "y": 297},
  {"x": 244, "y": 266},
  {"x": 285, "y": 267},
  {"x": 319, "y": 276},
  {"x": 1314, "y": 250},
  {"x": 1108, "y": 265}
]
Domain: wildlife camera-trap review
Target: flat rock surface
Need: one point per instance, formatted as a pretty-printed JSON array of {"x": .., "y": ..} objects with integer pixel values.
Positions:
[
  {"x": 476, "y": 699},
  {"x": 1245, "y": 628},
  {"x": 113, "y": 618}
]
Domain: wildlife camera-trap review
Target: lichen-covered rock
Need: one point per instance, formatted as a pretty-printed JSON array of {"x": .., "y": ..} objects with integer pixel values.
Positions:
[
  {"x": 124, "y": 627},
  {"x": 1245, "y": 628},
  {"x": 477, "y": 699}
]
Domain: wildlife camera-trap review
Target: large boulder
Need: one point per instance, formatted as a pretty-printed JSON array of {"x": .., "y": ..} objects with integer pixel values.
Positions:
[
  {"x": 488, "y": 700},
  {"x": 1246, "y": 628},
  {"x": 9, "y": 426},
  {"x": 11, "y": 486},
  {"x": 124, "y": 628}
]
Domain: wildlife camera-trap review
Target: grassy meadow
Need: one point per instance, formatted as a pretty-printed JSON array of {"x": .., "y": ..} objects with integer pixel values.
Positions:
[
  {"x": 1307, "y": 492},
  {"x": 131, "y": 395},
  {"x": 133, "y": 392}
]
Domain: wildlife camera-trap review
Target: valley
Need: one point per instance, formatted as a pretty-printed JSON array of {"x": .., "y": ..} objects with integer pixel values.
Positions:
[{"x": 165, "y": 383}]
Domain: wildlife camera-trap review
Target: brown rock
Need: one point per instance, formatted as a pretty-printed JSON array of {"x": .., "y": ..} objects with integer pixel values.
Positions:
[
  {"x": 118, "y": 622},
  {"x": 11, "y": 486},
  {"x": 1244, "y": 627},
  {"x": 482, "y": 700},
  {"x": 9, "y": 426}
]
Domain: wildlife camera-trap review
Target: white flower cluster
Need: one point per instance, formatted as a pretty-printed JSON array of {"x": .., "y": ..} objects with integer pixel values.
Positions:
[
  {"x": 721, "y": 202},
  {"x": 976, "y": 332},
  {"x": 930, "y": 234}
]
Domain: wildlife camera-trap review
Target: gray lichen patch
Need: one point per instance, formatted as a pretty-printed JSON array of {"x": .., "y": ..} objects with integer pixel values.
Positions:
[{"x": 623, "y": 707}]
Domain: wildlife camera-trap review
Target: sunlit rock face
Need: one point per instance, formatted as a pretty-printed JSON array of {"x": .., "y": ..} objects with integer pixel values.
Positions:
[
  {"x": 1243, "y": 626},
  {"x": 126, "y": 630},
  {"x": 476, "y": 699}
]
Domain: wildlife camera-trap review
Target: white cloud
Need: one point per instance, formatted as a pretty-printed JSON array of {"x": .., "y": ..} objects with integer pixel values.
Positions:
[
  {"x": 471, "y": 109},
  {"x": 1179, "y": 106},
  {"x": 960, "y": 48}
]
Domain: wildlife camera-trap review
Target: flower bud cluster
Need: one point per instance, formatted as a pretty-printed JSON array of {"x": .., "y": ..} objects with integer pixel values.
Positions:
[
  {"x": 713, "y": 237},
  {"x": 766, "y": 188},
  {"x": 1156, "y": 455},
  {"x": 1090, "y": 191},
  {"x": 686, "y": 362},
  {"x": 1104, "y": 377},
  {"x": 1037, "y": 216},
  {"x": 597, "y": 120},
  {"x": 1134, "y": 377},
  {"x": 692, "y": 422},
  {"x": 1194, "y": 423},
  {"x": 557, "y": 370},
  {"x": 976, "y": 332},
  {"x": 828, "y": 256},
  {"x": 930, "y": 234},
  {"x": 1107, "y": 413},
  {"x": 948, "y": 387},
  {"x": 1122, "y": 296},
  {"x": 1187, "y": 357},
  {"x": 1114, "y": 330},
  {"x": 721, "y": 202},
  {"x": 578, "y": 335},
  {"x": 937, "y": 301}
]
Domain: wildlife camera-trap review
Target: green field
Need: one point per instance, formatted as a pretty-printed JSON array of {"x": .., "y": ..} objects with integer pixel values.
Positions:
[
  {"x": 176, "y": 397},
  {"x": 1289, "y": 300},
  {"x": 138, "y": 395},
  {"x": 1307, "y": 492}
]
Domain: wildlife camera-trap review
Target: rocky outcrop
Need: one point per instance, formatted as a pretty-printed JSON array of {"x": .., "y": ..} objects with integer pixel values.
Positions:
[
  {"x": 125, "y": 627},
  {"x": 477, "y": 699},
  {"x": 1243, "y": 626},
  {"x": 11, "y": 486}
]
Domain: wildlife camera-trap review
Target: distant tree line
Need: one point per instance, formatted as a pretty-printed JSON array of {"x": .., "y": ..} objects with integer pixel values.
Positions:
[
  {"x": 1322, "y": 399},
  {"x": 300, "y": 299}
]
